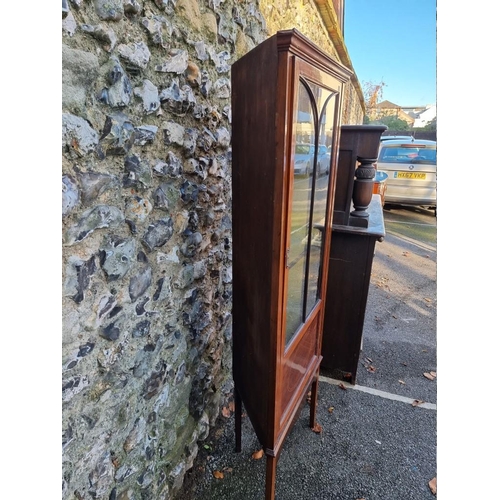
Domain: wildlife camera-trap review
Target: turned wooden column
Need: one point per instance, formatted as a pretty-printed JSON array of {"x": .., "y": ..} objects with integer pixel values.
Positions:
[{"x": 363, "y": 186}]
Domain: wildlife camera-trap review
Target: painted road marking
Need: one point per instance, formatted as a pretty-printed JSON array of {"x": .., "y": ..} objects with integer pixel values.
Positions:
[{"x": 376, "y": 392}]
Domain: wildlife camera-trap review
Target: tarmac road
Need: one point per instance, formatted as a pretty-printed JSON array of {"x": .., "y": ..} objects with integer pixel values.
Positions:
[{"x": 376, "y": 442}]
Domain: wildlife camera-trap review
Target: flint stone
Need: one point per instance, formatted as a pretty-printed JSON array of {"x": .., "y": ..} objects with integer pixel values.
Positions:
[
  {"x": 206, "y": 84},
  {"x": 220, "y": 60},
  {"x": 206, "y": 140},
  {"x": 193, "y": 166},
  {"x": 163, "y": 290},
  {"x": 102, "y": 34},
  {"x": 79, "y": 71},
  {"x": 77, "y": 135},
  {"x": 140, "y": 283},
  {"x": 212, "y": 117},
  {"x": 69, "y": 24},
  {"x": 110, "y": 332},
  {"x": 155, "y": 382},
  {"x": 70, "y": 194},
  {"x": 116, "y": 257},
  {"x": 171, "y": 167},
  {"x": 97, "y": 217},
  {"x": 109, "y": 10},
  {"x": 93, "y": 184},
  {"x": 201, "y": 50},
  {"x": 106, "y": 305},
  {"x": 145, "y": 134},
  {"x": 72, "y": 386},
  {"x": 227, "y": 27},
  {"x": 165, "y": 4},
  {"x": 191, "y": 245},
  {"x": 222, "y": 88},
  {"x": 138, "y": 209},
  {"x": 79, "y": 273},
  {"x": 137, "y": 173},
  {"x": 135, "y": 436},
  {"x": 158, "y": 233},
  {"x": 159, "y": 30},
  {"x": 178, "y": 100},
  {"x": 136, "y": 54},
  {"x": 120, "y": 91},
  {"x": 149, "y": 95},
  {"x": 223, "y": 137},
  {"x": 189, "y": 192},
  {"x": 118, "y": 134},
  {"x": 101, "y": 477},
  {"x": 177, "y": 63},
  {"x": 190, "y": 138},
  {"x": 141, "y": 329},
  {"x": 173, "y": 133},
  {"x": 77, "y": 3},
  {"x": 131, "y": 7}
]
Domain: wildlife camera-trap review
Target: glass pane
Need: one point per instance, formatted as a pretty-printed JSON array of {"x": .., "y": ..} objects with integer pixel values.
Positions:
[
  {"x": 300, "y": 212},
  {"x": 326, "y": 103}
]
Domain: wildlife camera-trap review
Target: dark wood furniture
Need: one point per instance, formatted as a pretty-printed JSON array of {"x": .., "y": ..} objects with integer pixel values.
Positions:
[
  {"x": 351, "y": 256},
  {"x": 286, "y": 96}
]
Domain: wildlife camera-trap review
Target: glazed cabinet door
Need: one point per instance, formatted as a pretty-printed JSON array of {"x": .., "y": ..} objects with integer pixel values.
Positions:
[{"x": 313, "y": 144}]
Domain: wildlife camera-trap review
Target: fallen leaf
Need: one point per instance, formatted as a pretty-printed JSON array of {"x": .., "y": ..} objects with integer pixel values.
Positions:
[
  {"x": 427, "y": 300},
  {"x": 433, "y": 485},
  {"x": 342, "y": 386},
  {"x": 417, "y": 402},
  {"x": 429, "y": 376},
  {"x": 257, "y": 455},
  {"x": 369, "y": 360},
  {"x": 402, "y": 382},
  {"x": 317, "y": 428},
  {"x": 330, "y": 410},
  {"x": 206, "y": 446},
  {"x": 394, "y": 316},
  {"x": 225, "y": 412},
  {"x": 434, "y": 374},
  {"x": 372, "y": 369},
  {"x": 231, "y": 406},
  {"x": 218, "y": 474}
]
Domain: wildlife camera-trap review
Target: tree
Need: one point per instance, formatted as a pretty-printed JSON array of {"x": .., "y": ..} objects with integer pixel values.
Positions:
[
  {"x": 372, "y": 94},
  {"x": 393, "y": 123}
]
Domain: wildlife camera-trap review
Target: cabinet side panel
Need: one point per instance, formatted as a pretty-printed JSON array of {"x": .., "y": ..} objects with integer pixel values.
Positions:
[{"x": 253, "y": 82}]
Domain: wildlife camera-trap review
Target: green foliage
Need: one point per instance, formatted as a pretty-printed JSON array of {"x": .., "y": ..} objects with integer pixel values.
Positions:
[{"x": 393, "y": 123}]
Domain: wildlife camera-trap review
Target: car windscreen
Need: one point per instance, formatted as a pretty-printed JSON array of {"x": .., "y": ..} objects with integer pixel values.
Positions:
[{"x": 413, "y": 153}]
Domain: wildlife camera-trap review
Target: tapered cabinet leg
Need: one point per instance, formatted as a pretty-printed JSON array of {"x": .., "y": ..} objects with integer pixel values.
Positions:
[
  {"x": 237, "y": 419},
  {"x": 271, "y": 464},
  {"x": 314, "y": 401}
]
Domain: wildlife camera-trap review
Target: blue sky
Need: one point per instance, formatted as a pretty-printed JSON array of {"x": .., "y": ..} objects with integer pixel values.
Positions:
[{"x": 394, "y": 41}]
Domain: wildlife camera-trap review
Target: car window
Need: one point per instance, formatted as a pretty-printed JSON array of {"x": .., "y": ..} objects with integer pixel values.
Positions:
[
  {"x": 402, "y": 154},
  {"x": 322, "y": 150}
]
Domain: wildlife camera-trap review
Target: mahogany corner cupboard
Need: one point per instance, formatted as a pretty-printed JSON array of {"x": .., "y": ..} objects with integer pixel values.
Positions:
[{"x": 286, "y": 108}]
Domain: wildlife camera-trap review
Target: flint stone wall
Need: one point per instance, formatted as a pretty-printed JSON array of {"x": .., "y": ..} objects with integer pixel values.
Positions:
[{"x": 146, "y": 231}]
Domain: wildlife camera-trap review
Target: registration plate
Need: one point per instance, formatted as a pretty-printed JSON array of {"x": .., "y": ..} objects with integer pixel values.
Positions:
[{"x": 409, "y": 175}]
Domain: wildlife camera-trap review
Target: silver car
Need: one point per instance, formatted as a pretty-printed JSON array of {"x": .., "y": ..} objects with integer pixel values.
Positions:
[{"x": 411, "y": 165}]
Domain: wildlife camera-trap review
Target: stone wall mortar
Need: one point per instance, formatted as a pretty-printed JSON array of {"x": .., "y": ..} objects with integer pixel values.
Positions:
[{"x": 146, "y": 236}]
